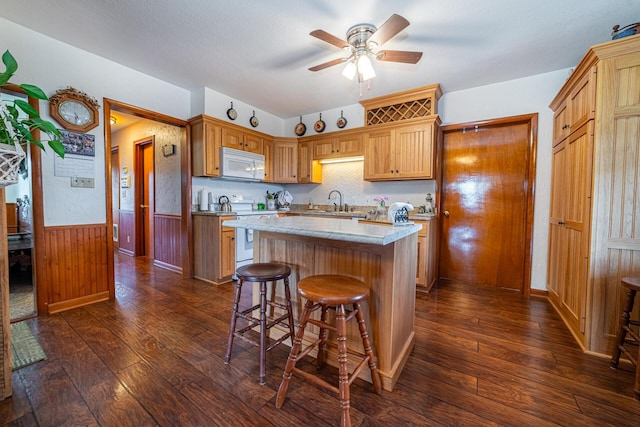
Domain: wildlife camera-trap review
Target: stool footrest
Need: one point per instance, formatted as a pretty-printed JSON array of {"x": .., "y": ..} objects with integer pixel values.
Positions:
[
  {"x": 278, "y": 341},
  {"x": 318, "y": 381}
]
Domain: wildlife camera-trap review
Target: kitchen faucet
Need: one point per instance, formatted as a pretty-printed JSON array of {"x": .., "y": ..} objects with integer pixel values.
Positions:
[{"x": 339, "y": 200}]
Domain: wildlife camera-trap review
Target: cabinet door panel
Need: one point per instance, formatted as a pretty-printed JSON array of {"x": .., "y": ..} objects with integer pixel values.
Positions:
[
  {"x": 414, "y": 152},
  {"x": 212, "y": 149},
  {"x": 285, "y": 161},
  {"x": 308, "y": 169},
  {"x": 560, "y": 124},
  {"x": 228, "y": 253},
  {"x": 268, "y": 161},
  {"x": 582, "y": 101},
  {"x": 378, "y": 155},
  {"x": 253, "y": 144},
  {"x": 348, "y": 146},
  {"x": 323, "y": 148},
  {"x": 232, "y": 138}
]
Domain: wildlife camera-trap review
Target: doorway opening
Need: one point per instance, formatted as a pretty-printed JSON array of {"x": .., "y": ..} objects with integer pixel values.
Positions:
[
  {"x": 143, "y": 223},
  {"x": 488, "y": 178}
]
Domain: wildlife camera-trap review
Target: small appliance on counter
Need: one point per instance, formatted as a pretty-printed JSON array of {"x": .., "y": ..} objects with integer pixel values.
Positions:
[
  {"x": 225, "y": 206},
  {"x": 399, "y": 213},
  {"x": 284, "y": 199}
]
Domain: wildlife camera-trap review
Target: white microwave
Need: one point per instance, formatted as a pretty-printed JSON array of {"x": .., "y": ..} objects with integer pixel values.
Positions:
[{"x": 238, "y": 164}]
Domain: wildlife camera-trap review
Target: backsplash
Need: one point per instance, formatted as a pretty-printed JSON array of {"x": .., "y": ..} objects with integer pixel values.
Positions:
[
  {"x": 344, "y": 177},
  {"x": 347, "y": 178}
]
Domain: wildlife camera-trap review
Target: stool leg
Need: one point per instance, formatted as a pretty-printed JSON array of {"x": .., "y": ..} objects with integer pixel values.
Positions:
[
  {"x": 287, "y": 295},
  {"x": 343, "y": 369},
  {"x": 636, "y": 386},
  {"x": 232, "y": 324},
  {"x": 323, "y": 337},
  {"x": 368, "y": 349},
  {"x": 622, "y": 331},
  {"x": 263, "y": 330},
  {"x": 291, "y": 361}
]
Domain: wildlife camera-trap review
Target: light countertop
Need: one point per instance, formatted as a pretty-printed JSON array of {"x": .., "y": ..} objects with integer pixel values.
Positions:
[{"x": 329, "y": 228}]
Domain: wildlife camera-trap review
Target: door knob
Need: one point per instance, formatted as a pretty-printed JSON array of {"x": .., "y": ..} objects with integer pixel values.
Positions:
[{"x": 446, "y": 214}]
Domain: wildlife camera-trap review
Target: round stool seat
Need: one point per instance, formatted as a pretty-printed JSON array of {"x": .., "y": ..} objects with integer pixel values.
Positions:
[
  {"x": 263, "y": 271},
  {"x": 332, "y": 289},
  {"x": 632, "y": 283}
]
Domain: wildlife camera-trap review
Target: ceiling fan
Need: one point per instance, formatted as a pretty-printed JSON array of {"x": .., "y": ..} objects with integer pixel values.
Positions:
[{"x": 363, "y": 41}]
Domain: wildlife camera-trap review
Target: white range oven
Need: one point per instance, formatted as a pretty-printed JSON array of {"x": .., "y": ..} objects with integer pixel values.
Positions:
[{"x": 244, "y": 237}]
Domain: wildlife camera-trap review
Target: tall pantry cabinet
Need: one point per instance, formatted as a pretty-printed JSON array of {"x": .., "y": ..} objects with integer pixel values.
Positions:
[{"x": 594, "y": 234}]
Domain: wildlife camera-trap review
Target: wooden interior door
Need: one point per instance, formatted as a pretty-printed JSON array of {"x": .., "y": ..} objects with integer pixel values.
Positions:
[
  {"x": 487, "y": 202},
  {"x": 144, "y": 197}
]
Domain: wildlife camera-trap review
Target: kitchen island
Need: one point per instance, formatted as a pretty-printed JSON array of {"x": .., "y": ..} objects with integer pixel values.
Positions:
[{"x": 381, "y": 255}]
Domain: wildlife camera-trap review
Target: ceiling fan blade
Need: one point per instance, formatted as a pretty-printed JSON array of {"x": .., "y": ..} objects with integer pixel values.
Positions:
[
  {"x": 327, "y": 64},
  {"x": 329, "y": 38},
  {"x": 389, "y": 29},
  {"x": 405, "y": 56}
]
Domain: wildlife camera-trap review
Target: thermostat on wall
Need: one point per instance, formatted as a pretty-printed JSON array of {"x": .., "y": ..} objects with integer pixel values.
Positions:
[{"x": 125, "y": 181}]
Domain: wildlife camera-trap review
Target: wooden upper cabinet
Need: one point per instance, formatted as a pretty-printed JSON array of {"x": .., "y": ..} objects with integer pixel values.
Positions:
[
  {"x": 285, "y": 160},
  {"x": 239, "y": 140},
  {"x": 336, "y": 146},
  {"x": 309, "y": 170},
  {"x": 401, "y": 152},
  {"x": 205, "y": 143},
  {"x": 253, "y": 143},
  {"x": 576, "y": 108},
  {"x": 268, "y": 160},
  {"x": 378, "y": 153},
  {"x": 560, "y": 124}
]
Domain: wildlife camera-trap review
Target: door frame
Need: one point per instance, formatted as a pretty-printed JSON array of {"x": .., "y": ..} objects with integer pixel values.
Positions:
[
  {"x": 138, "y": 196},
  {"x": 532, "y": 121},
  {"x": 185, "y": 167}
]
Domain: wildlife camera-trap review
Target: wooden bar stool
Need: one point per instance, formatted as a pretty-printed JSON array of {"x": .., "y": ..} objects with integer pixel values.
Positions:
[
  {"x": 325, "y": 292},
  {"x": 626, "y": 335},
  {"x": 262, "y": 273}
]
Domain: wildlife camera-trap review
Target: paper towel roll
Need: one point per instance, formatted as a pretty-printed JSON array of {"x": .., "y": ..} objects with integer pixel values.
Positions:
[{"x": 204, "y": 199}]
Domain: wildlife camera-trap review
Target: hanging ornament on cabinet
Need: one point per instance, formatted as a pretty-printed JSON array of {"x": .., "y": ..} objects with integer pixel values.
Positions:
[
  {"x": 342, "y": 122},
  {"x": 301, "y": 128},
  {"x": 231, "y": 113},
  {"x": 320, "y": 125},
  {"x": 254, "y": 120}
]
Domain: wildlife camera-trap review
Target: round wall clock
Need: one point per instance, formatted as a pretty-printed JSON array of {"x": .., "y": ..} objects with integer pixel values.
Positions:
[{"x": 74, "y": 110}]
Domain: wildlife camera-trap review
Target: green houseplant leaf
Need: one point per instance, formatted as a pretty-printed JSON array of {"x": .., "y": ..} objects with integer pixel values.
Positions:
[{"x": 16, "y": 129}]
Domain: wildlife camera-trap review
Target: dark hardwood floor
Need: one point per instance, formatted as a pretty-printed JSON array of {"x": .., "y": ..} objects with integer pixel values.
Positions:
[{"x": 154, "y": 356}]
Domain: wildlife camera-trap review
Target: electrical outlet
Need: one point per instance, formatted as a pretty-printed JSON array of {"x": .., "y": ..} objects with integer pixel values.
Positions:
[
  {"x": 128, "y": 239},
  {"x": 82, "y": 182},
  {"x": 354, "y": 201}
]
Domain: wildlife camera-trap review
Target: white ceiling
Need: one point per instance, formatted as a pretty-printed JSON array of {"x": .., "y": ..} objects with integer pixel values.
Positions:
[{"x": 258, "y": 52}]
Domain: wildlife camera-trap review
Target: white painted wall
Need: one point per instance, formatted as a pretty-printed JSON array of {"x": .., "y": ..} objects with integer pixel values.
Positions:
[{"x": 54, "y": 65}]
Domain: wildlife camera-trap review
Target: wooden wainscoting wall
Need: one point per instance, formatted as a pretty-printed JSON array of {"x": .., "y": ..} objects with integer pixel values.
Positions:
[
  {"x": 167, "y": 241},
  {"x": 126, "y": 231},
  {"x": 76, "y": 267}
]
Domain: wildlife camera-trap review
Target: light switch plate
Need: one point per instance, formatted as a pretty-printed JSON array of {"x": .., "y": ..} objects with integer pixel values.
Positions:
[{"x": 82, "y": 182}]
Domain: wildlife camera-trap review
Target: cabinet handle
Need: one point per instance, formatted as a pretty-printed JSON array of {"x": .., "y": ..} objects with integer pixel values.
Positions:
[
  {"x": 397, "y": 171},
  {"x": 560, "y": 222},
  {"x": 446, "y": 214}
]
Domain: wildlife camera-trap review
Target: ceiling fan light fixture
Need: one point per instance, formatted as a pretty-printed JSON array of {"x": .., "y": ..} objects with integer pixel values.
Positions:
[
  {"x": 365, "y": 68},
  {"x": 350, "y": 70}
]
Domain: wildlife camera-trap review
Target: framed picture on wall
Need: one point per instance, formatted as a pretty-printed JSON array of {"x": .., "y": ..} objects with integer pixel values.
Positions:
[{"x": 78, "y": 143}]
